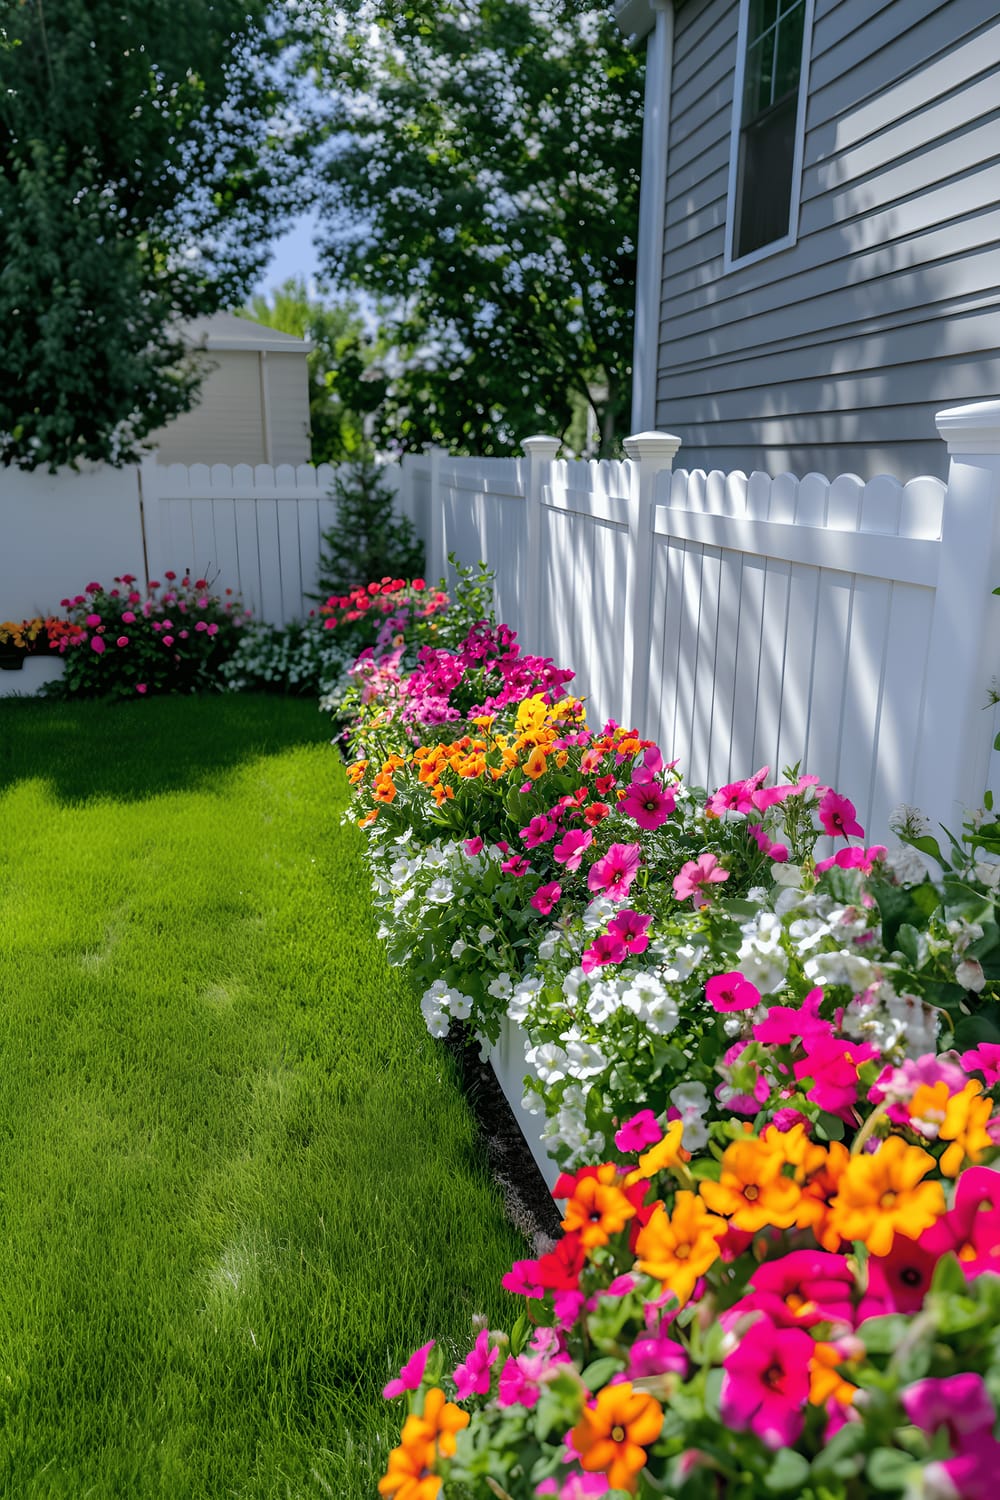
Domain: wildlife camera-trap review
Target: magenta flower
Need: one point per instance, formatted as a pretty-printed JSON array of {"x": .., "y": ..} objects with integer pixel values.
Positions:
[
  {"x": 696, "y": 875},
  {"x": 411, "y": 1375},
  {"x": 97, "y": 644},
  {"x": 961, "y": 1403},
  {"x": 546, "y": 897},
  {"x": 738, "y": 796},
  {"x": 92, "y": 620},
  {"x": 607, "y": 949},
  {"x": 128, "y": 618},
  {"x": 852, "y": 858},
  {"x": 971, "y": 1228},
  {"x": 833, "y": 1064},
  {"x": 777, "y": 852},
  {"x": 639, "y": 1130},
  {"x": 648, "y": 803},
  {"x": 575, "y": 1487},
  {"x": 140, "y": 687},
  {"x": 570, "y": 850},
  {"x": 820, "y": 1284},
  {"x": 656, "y": 1355},
  {"x": 616, "y": 871},
  {"x": 630, "y": 927},
  {"x": 984, "y": 1059},
  {"x": 538, "y": 831},
  {"x": 473, "y": 1376},
  {"x": 472, "y": 847},
  {"x": 765, "y": 1386},
  {"x": 898, "y": 1282},
  {"x": 839, "y": 817},
  {"x": 168, "y": 640},
  {"x": 517, "y": 866},
  {"x": 784, "y": 1024},
  {"x": 122, "y": 640},
  {"x": 728, "y": 992}
]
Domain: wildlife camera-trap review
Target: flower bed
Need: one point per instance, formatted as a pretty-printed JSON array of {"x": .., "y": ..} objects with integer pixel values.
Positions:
[{"x": 766, "y": 1056}]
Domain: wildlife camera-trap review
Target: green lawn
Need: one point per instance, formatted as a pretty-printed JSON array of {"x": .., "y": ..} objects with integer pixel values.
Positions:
[{"x": 238, "y": 1184}]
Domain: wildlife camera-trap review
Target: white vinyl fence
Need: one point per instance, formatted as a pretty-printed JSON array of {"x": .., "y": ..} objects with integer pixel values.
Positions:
[
  {"x": 254, "y": 529},
  {"x": 749, "y": 621}
]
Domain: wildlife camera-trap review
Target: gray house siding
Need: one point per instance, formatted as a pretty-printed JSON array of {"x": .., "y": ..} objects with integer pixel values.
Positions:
[{"x": 835, "y": 353}]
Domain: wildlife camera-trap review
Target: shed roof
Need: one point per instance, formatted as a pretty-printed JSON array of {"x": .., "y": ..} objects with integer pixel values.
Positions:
[{"x": 227, "y": 331}]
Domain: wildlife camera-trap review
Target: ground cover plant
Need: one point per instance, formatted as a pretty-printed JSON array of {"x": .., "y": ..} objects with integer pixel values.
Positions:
[
  {"x": 769, "y": 1057},
  {"x": 239, "y": 1182}
]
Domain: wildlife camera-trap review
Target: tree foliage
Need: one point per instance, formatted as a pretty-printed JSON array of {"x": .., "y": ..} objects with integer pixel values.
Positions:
[
  {"x": 141, "y": 162},
  {"x": 483, "y": 174},
  {"x": 341, "y": 393}
]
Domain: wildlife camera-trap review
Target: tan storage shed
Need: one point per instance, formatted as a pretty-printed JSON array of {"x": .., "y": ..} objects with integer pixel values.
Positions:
[{"x": 254, "y": 404}]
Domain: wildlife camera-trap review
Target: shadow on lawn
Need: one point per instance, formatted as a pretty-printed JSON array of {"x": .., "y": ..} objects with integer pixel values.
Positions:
[{"x": 128, "y": 751}]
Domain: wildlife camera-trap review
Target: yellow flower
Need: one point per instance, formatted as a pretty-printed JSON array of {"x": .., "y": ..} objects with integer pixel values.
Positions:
[
  {"x": 536, "y": 763},
  {"x": 679, "y": 1249},
  {"x": 752, "y": 1189},
  {"x": 965, "y": 1126},
  {"x": 882, "y": 1193},
  {"x": 661, "y": 1157}
]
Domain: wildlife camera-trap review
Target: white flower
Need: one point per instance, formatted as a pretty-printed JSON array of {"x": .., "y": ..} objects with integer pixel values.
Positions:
[
  {"x": 682, "y": 963},
  {"x": 501, "y": 987},
  {"x": 548, "y": 945},
  {"x": 970, "y": 976},
  {"x": 548, "y": 1061},
  {"x": 458, "y": 947},
  {"x": 485, "y": 935},
  {"x": 460, "y": 1005},
  {"x": 906, "y": 866},
  {"x": 988, "y": 871},
  {"x": 587, "y": 1060},
  {"x": 440, "y": 891},
  {"x": 910, "y": 821},
  {"x": 786, "y": 874}
]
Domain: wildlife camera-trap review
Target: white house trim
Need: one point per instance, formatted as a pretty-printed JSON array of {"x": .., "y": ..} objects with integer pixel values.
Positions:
[
  {"x": 652, "y": 212},
  {"x": 730, "y": 263}
]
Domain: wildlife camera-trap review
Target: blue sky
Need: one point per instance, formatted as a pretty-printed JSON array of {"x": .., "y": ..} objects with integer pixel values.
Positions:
[{"x": 293, "y": 255}]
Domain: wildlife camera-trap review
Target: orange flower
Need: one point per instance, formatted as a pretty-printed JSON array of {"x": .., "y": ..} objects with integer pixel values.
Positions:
[
  {"x": 612, "y": 1435},
  {"x": 825, "y": 1380},
  {"x": 597, "y": 1208},
  {"x": 965, "y": 1126},
  {"x": 357, "y": 771},
  {"x": 819, "y": 1188},
  {"x": 384, "y": 789},
  {"x": 410, "y": 1473},
  {"x": 679, "y": 1249},
  {"x": 752, "y": 1189},
  {"x": 442, "y": 793},
  {"x": 369, "y": 817},
  {"x": 881, "y": 1193},
  {"x": 661, "y": 1157},
  {"x": 536, "y": 763}
]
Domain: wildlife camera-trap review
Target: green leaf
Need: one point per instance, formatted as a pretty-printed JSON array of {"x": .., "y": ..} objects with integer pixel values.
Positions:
[
  {"x": 789, "y": 1471},
  {"x": 890, "y": 1469},
  {"x": 597, "y": 1374},
  {"x": 881, "y": 1335},
  {"x": 829, "y": 1127}
]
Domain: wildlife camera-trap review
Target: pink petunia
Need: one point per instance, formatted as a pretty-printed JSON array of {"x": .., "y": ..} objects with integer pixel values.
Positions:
[
  {"x": 816, "y": 1286},
  {"x": 984, "y": 1059},
  {"x": 737, "y": 796},
  {"x": 696, "y": 875},
  {"x": 777, "y": 852},
  {"x": 785, "y": 1024},
  {"x": 615, "y": 873},
  {"x": 898, "y": 1282},
  {"x": 833, "y": 1064},
  {"x": 638, "y": 1132},
  {"x": 839, "y": 817},
  {"x": 853, "y": 858},
  {"x": 546, "y": 897},
  {"x": 473, "y": 1375},
  {"x": 630, "y": 927},
  {"x": 765, "y": 1385},
  {"x": 971, "y": 1228},
  {"x": 141, "y": 687},
  {"x": 97, "y": 644},
  {"x": 656, "y": 1355},
  {"x": 607, "y": 949},
  {"x": 472, "y": 846},
  {"x": 411, "y": 1375},
  {"x": 729, "y": 992},
  {"x": 538, "y": 831},
  {"x": 648, "y": 803},
  {"x": 570, "y": 850},
  {"x": 517, "y": 866},
  {"x": 122, "y": 641}
]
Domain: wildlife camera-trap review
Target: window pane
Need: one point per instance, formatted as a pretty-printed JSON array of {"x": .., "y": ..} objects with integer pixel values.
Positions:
[
  {"x": 789, "y": 62},
  {"x": 767, "y": 150},
  {"x": 757, "y": 92},
  {"x": 763, "y": 13}
]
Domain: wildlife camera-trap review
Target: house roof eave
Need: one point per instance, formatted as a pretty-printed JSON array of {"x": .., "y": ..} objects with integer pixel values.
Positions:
[{"x": 635, "y": 18}]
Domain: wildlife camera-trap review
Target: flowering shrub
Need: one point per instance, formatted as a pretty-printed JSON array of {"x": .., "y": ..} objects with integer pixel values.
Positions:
[
  {"x": 768, "y": 1055},
  {"x": 170, "y": 639}
]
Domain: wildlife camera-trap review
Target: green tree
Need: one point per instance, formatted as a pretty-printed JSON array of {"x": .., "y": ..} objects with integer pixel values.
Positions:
[
  {"x": 142, "y": 157},
  {"x": 482, "y": 174},
  {"x": 343, "y": 387}
]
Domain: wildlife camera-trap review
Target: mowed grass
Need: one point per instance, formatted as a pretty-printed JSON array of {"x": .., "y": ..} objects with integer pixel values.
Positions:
[{"x": 238, "y": 1182}]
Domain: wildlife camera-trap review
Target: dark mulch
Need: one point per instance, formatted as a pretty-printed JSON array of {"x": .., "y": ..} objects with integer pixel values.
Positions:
[{"x": 527, "y": 1200}]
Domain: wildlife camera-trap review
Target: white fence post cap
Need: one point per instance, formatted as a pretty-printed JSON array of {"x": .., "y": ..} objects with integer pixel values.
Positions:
[
  {"x": 541, "y": 445},
  {"x": 974, "y": 428},
  {"x": 655, "y": 447}
]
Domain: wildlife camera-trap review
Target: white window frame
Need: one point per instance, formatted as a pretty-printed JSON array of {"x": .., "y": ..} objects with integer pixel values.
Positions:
[{"x": 736, "y": 263}]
